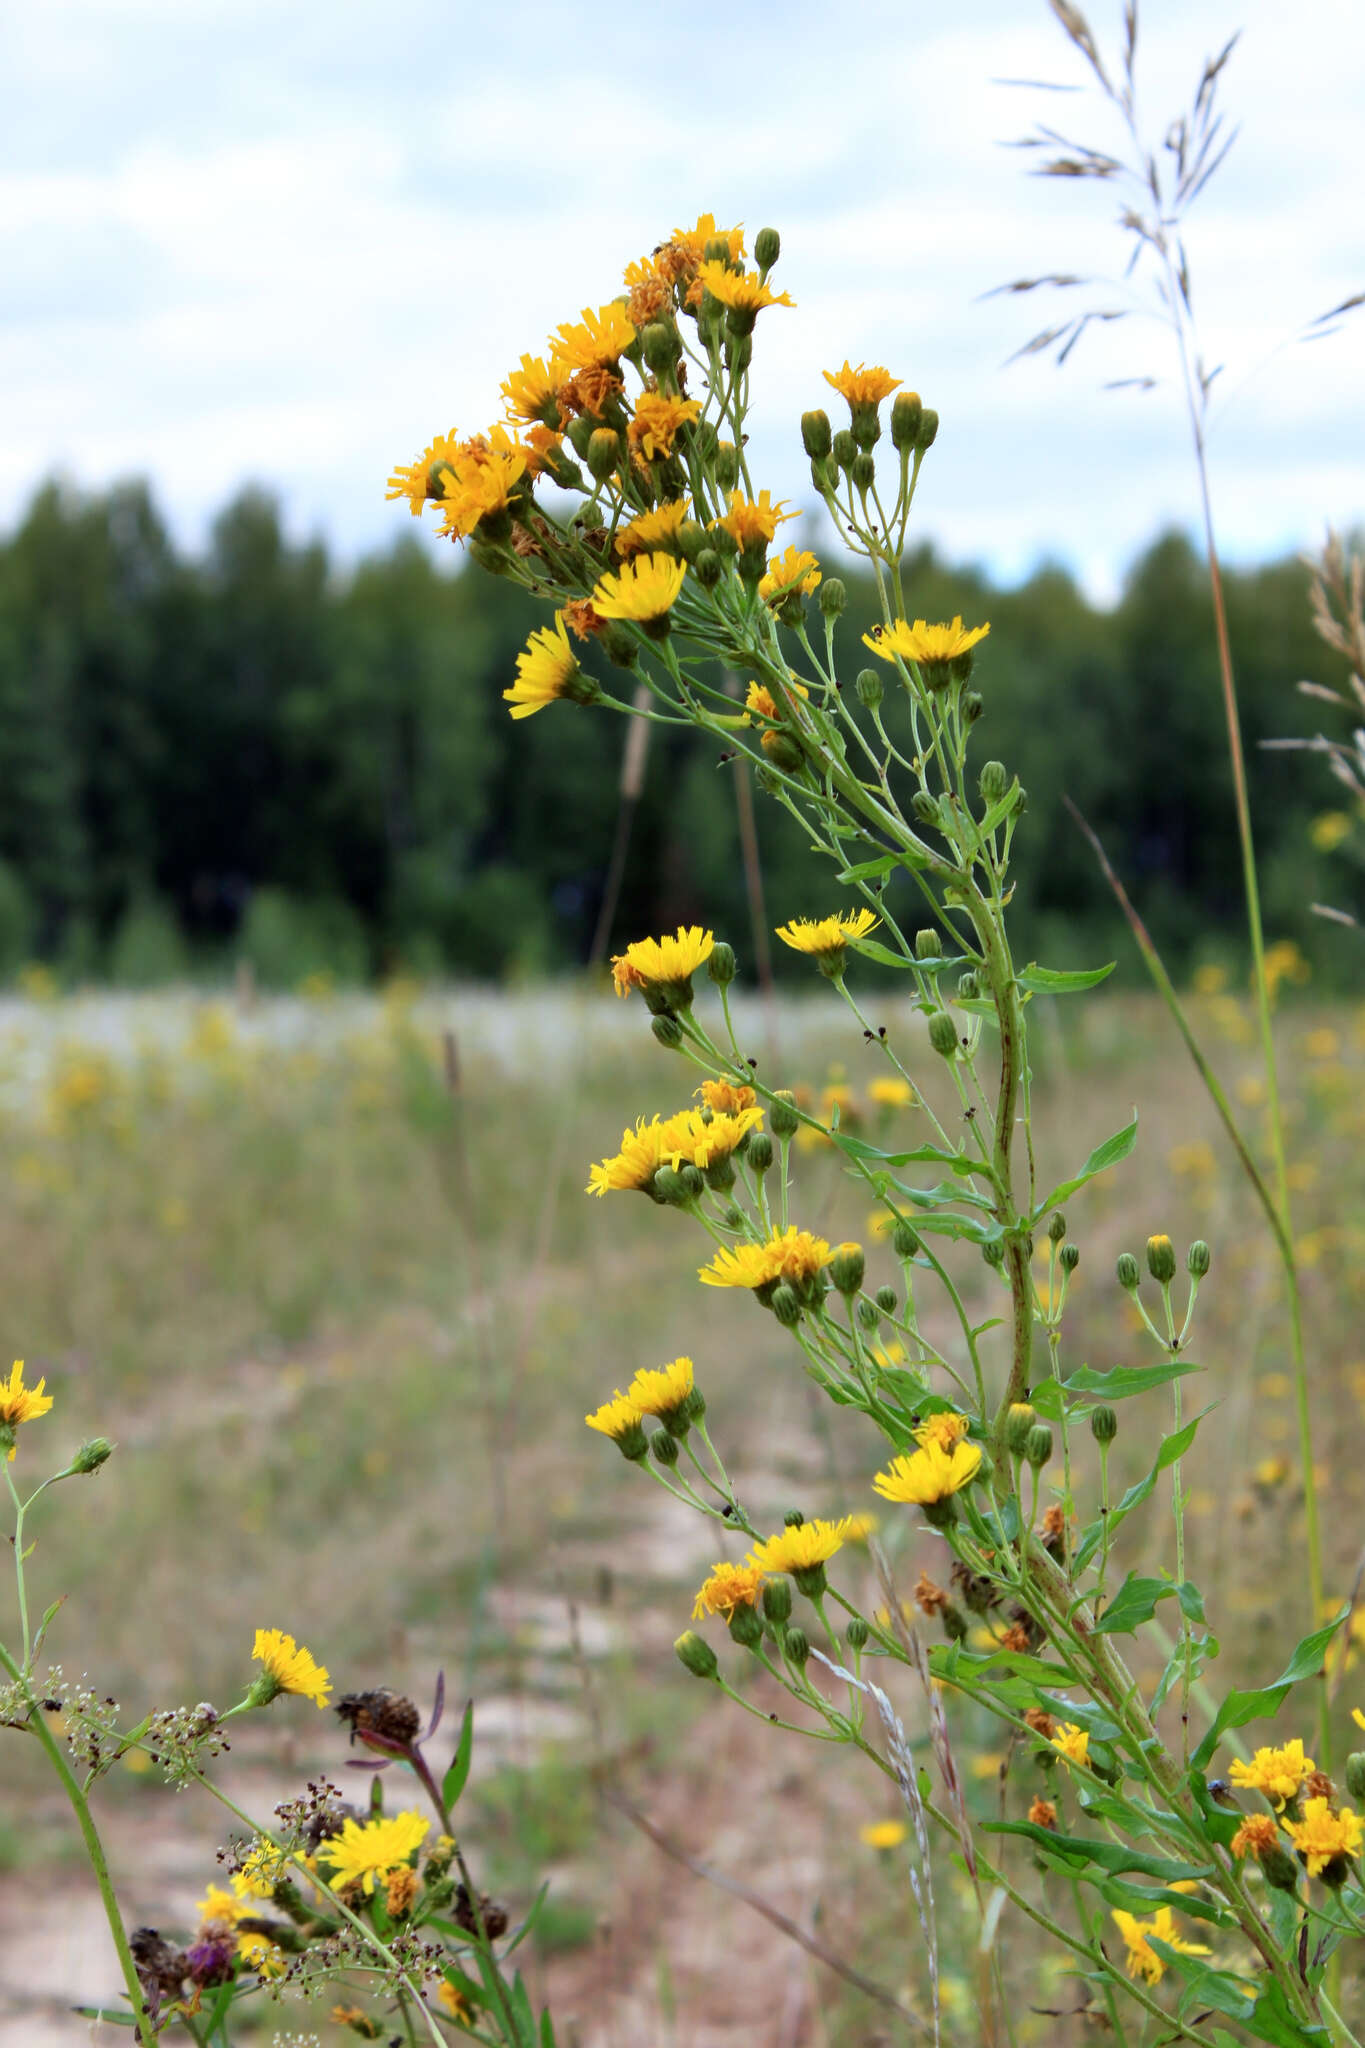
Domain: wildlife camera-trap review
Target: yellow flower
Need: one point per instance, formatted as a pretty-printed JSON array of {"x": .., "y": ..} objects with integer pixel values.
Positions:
[
  {"x": 890, "y": 1092},
  {"x": 706, "y": 1142},
  {"x": 653, "y": 531},
  {"x": 261, "y": 1954},
  {"x": 744, "y": 292},
  {"x": 724, "y": 1096},
  {"x": 860, "y": 1527},
  {"x": 262, "y": 1868},
  {"x": 761, "y": 699},
  {"x": 289, "y": 1667},
  {"x": 1143, "y": 1960},
  {"x": 924, "y": 643},
  {"x": 1328, "y": 830},
  {"x": 19, "y": 1403},
  {"x": 793, "y": 1255},
  {"x": 799, "y": 1549},
  {"x": 1278, "y": 1773},
  {"x": 659, "y": 1392},
  {"x": 657, "y": 420},
  {"x": 931, "y": 1474},
  {"x": 666, "y": 962},
  {"x": 546, "y": 669},
  {"x": 643, "y": 1151},
  {"x": 862, "y": 386},
  {"x": 367, "y": 1850},
  {"x": 594, "y": 339},
  {"x": 728, "y": 1587},
  {"x": 530, "y": 390},
  {"x": 479, "y": 481},
  {"x": 753, "y": 522},
  {"x": 218, "y": 1905},
  {"x": 454, "y": 2003},
  {"x": 827, "y": 935},
  {"x": 796, "y": 570},
  {"x": 1255, "y": 1836},
  {"x": 883, "y": 1834},
  {"x": 415, "y": 481},
  {"x": 946, "y": 1430},
  {"x": 1072, "y": 1742},
  {"x": 616, "y": 1418},
  {"x": 692, "y": 241},
  {"x": 1323, "y": 1836},
  {"x": 643, "y": 590}
]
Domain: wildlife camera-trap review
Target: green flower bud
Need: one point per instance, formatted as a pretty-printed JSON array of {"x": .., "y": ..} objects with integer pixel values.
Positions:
[
  {"x": 717, "y": 250},
  {"x": 579, "y": 433},
  {"x": 864, "y": 471},
  {"x": 1056, "y": 1228},
  {"x": 691, "y": 1179},
  {"x": 777, "y": 1601},
  {"x": 661, "y": 346},
  {"x": 886, "y": 1299},
  {"x": 993, "y": 781},
  {"x": 667, "y": 1185},
  {"x": 993, "y": 1252},
  {"x": 727, "y": 466},
  {"x": 92, "y": 1454},
  {"x": 696, "y": 1655},
  {"x": 833, "y": 597},
  {"x": 786, "y": 1306},
  {"x": 721, "y": 965},
  {"x": 733, "y": 1218},
  {"x": 767, "y": 248},
  {"x": 759, "y": 1151},
  {"x": 823, "y": 475},
  {"x": 954, "y": 1620},
  {"x": 796, "y": 1647},
  {"x": 1280, "y": 1869},
  {"x": 1161, "y": 1259},
  {"x": 793, "y": 1519},
  {"x": 1355, "y": 1774},
  {"x": 943, "y": 1034},
  {"x": 1126, "y": 1272},
  {"x": 857, "y": 1632},
  {"x": 973, "y": 704},
  {"x": 619, "y": 645},
  {"x": 746, "y": 1627},
  {"x": 928, "y": 429},
  {"x": 968, "y": 987},
  {"x": 906, "y": 416},
  {"x": 847, "y": 1267},
  {"x": 663, "y": 1447},
  {"x": 928, "y": 944},
  {"x": 692, "y": 538},
  {"x": 708, "y": 568},
  {"x": 1038, "y": 1445},
  {"x": 815, "y": 435},
  {"x": 844, "y": 448},
  {"x": 1070, "y": 1256},
  {"x": 925, "y": 808},
  {"x": 668, "y": 1032},
  {"x": 1104, "y": 1425},
  {"x": 1019, "y": 1421},
  {"x": 870, "y": 688},
  {"x": 720, "y": 1175},
  {"x": 783, "y": 1121},
  {"x": 905, "y": 1240},
  {"x": 694, "y": 1404},
  {"x": 1198, "y": 1259},
  {"x": 783, "y": 752},
  {"x": 868, "y": 1315}
]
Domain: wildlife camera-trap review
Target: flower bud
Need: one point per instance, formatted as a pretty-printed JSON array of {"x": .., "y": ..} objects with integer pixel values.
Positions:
[
  {"x": 833, "y": 597},
  {"x": 815, "y": 435},
  {"x": 972, "y": 704},
  {"x": 868, "y": 1315},
  {"x": 1161, "y": 1259},
  {"x": 667, "y": 1185},
  {"x": 783, "y": 752},
  {"x": 844, "y": 448},
  {"x": 823, "y": 475},
  {"x": 691, "y": 539},
  {"x": 928, "y": 945},
  {"x": 733, "y": 1218},
  {"x": 1056, "y": 1228},
  {"x": 767, "y": 248},
  {"x": 925, "y": 808},
  {"x": 870, "y": 688},
  {"x": 92, "y": 1454},
  {"x": 1019, "y": 1420},
  {"x": 721, "y": 965},
  {"x": 943, "y": 1034},
  {"x": 793, "y": 1519},
  {"x": 905, "y": 1240},
  {"x": 759, "y": 1151},
  {"x": 660, "y": 344},
  {"x": 856, "y": 1633},
  {"x": 1126, "y": 1272},
  {"x": 847, "y": 1267},
  {"x": 619, "y": 645},
  {"x": 886, "y": 1299},
  {"x": 708, "y": 568},
  {"x": 907, "y": 414},
  {"x": 993, "y": 1252},
  {"x": 1355, "y": 1774},
  {"x": 1038, "y": 1445},
  {"x": 696, "y": 1655},
  {"x": 796, "y": 1646},
  {"x": 1198, "y": 1259},
  {"x": 746, "y": 1626},
  {"x": 1280, "y": 1869},
  {"x": 668, "y": 1032},
  {"x": 864, "y": 471},
  {"x": 663, "y": 1447},
  {"x": 777, "y": 1601},
  {"x": 1070, "y": 1256},
  {"x": 786, "y": 1306},
  {"x": 727, "y": 465},
  {"x": 928, "y": 430},
  {"x": 968, "y": 987},
  {"x": 783, "y": 1121},
  {"x": 691, "y": 1179},
  {"x": 993, "y": 781},
  {"x": 720, "y": 1175},
  {"x": 579, "y": 433},
  {"x": 1104, "y": 1425}
]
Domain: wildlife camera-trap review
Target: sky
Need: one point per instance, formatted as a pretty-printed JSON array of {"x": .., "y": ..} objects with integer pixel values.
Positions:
[{"x": 243, "y": 240}]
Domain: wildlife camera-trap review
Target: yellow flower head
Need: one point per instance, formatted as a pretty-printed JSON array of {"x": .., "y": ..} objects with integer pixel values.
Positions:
[
  {"x": 1329, "y": 829},
  {"x": 615, "y": 1418},
  {"x": 761, "y": 699},
  {"x": 643, "y": 591},
  {"x": 594, "y": 339},
  {"x": 933, "y": 646},
  {"x": 724, "y": 1096},
  {"x": 642, "y": 1152},
  {"x": 262, "y": 1868},
  {"x": 669, "y": 962},
  {"x": 653, "y": 532},
  {"x": 420, "y": 480},
  {"x": 289, "y": 1667},
  {"x": 728, "y": 1587},
  {"x": 860, "y": 1527},
  {"x": 1323, "y": 1836},
  {"x": 19, "y": 1403},
  {"x": 741, "y": 291},
  {"x": 261, "y": 1954},
  {"x": 656, "y": 422},
  {"x": 883, "y": 1834},
  {"x": 796, "y": 570},
  {"x": 792, "y": 1255},
  {"x": 1071, "y": 1742},
  {"x": 546, "y": 670},
  {"x": 1257, "y": 1834},
  {"x": 1278, "y": 1773},
  {"x": 888, "y": 1091},
  {"x": 800, "y": 1548},
  {"x": 530, "y": 390},
  {"x": 862, "y": 386},
  {"x": 692, "y": 241},
  {"x": 479, "y": 481},
  {"x": 946, "y": 1430},
  {"x": 827, "y": 935},
  {"x": 368, "y": 1850},
  {"x": 218, "y": 1906},
  {"x": 1143, "y": 1960},
  {"x": 705, "y": 1142},
  {"x": 660, "y": 1392},
  {"x": 930, "y": 1474},
  {"x": 753, "y": 522},
  {"x": 453, "y": 2003}
]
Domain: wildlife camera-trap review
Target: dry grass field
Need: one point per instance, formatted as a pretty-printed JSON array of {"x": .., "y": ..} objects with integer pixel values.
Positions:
[{"x": 343, "y": 1320}]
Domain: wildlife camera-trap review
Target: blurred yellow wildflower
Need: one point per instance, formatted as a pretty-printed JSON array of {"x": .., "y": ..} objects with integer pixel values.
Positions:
[
  {"x": 883, "y": 1834},
  {"x": 659, "y": 1391},
  {"x": 1324, "y": 1837},
  {"x": 797, "y": 1549},
  {"x": 753, "y": 522},
  {"x": 1284, "y": 962},
  {"x": 653, "y": 531},
  {"x": 547, "y": 668},
  {"x": 594, "y": 340},
  {"x": 743, "y": 292},
  {"x": 923, "y": 642},
  {"x": 18, "y": 1404},
  {"x": 862, "y": 386},
  {"x": 454, "y": 2004},
  {"x": 1322, "y": 1044},
  {"x": 1328, "y": 830},
  {"x": 728, "y": 1587},
  {"x": 218, "y": 1905},
  {"x": 796, "y": 570},
  {"x": 889, "y": 1091},
  {"x": 1278, "y": 1773},
  {"x": 367, "y": 1850},
  {"x": 1071, "y": 1742},
  {"x": 668, "y": 962},
  {"x": 1210, "y": 979},
  {"x": 658, "y": 416},
  {"x": 643, "y": 590},
  {"x": 827, "y": 935},
  {"x": 1257, "y": 1834},
  {"x": 1143, "y": 1960},
  {"x": 860, "y": 1527},
  {"x": 289, "y": 1667},
  {"x": 261, "y": 1954},
  {"x": 929, "y": 1475}
]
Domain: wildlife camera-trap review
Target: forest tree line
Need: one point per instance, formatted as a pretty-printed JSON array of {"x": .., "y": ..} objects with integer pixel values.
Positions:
[{"x": 254, "y": 753}]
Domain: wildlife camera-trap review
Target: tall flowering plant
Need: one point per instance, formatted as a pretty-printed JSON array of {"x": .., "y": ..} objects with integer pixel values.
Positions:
[{"x": 618, "y": 489}]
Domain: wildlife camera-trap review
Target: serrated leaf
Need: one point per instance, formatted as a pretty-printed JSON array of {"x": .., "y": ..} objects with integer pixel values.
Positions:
[
  {"x": 1121, "y": 1382},
  {"x": 1052, "y": 981},
  {"x": 453, "y": 1783},
  {"x": 930, "y": 1155},
  {"x": 1101, "y": 1159},
  {"x": 1134, "y": 1603},
  {"x": 1271, "y": 2020},
  {"x": 1116, "y": 1857},
  {"x": 1239, "y": 1708}
]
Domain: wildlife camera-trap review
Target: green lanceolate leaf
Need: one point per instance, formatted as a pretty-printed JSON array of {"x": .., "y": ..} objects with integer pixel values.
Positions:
[
  {"x": 455, "y": 1777},
  {"x": 1122, "y": 1381},
  {"x": 872, "y": 949},
  {"x": 1239, "y": 1708},
  {"x": 1134, "y": 1603},
  {"x": 1052, "y": 981},
  {"x": 931, "y": 1155},
  {"x": 871, "y": 870},
  {"x": 1082, "y": 1850},
  {"x": 1101, "y": 1159}
]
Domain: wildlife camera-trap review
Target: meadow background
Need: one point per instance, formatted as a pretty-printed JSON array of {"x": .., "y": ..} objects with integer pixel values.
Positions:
[{"x": 302, "y": 1061}]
